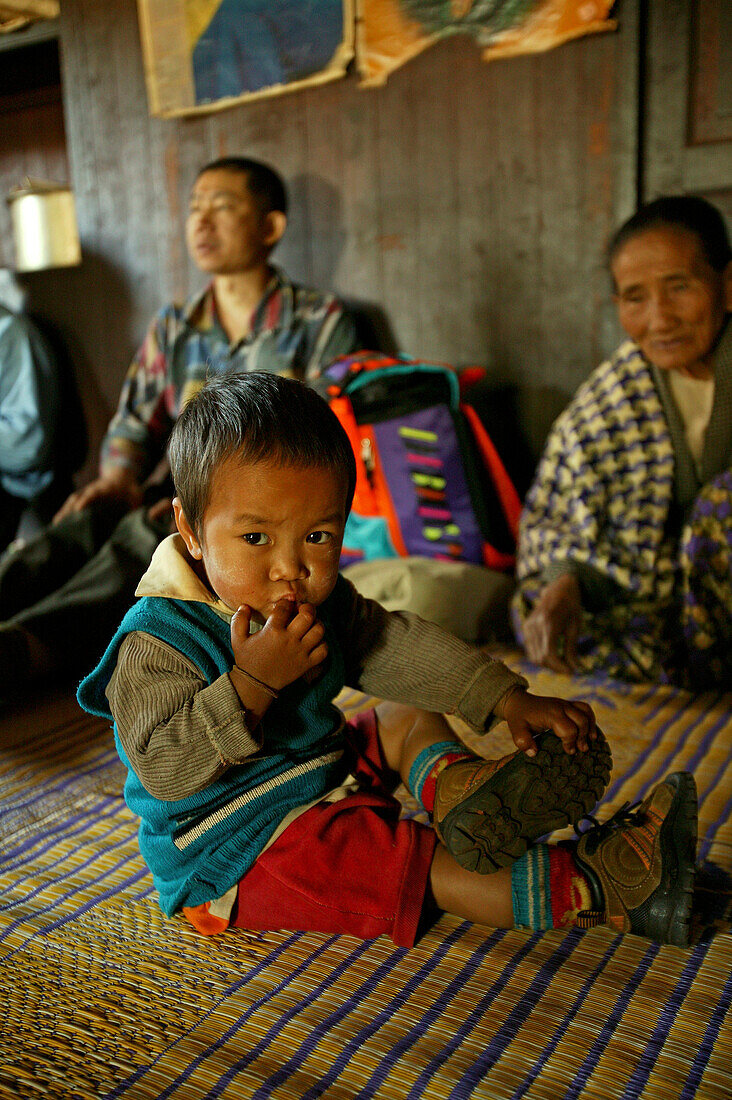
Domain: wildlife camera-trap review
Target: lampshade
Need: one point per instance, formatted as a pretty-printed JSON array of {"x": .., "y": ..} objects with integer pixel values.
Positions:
[{"x": 43, "y": 216}]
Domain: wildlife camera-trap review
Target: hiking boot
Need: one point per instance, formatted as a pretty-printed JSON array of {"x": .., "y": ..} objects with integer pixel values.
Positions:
[
  {"x": 488, "y": 812},
  {"x": 640, "y": 864}
]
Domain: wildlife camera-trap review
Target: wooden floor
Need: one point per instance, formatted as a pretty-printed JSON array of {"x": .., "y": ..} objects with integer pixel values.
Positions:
[{"x": 103, "y": 997}]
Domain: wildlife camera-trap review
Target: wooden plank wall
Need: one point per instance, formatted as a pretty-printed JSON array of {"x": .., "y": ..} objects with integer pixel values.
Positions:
[
  {"x": 464, "y": 205},
  {"x": 688, "y": 105},
  {"x": 32, "y": 143},
  {"x": 32, "y": 137}
]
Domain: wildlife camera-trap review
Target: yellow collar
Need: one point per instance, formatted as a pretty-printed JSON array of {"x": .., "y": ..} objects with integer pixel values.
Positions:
[{"x": 172, "y": 576}]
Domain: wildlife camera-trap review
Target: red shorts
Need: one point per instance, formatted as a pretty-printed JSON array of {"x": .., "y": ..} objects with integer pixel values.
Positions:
[{"x": 350, "y": 866}]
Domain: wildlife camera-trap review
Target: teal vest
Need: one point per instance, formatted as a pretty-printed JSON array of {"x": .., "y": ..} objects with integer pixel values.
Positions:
[{"x": 200, "y": 846}]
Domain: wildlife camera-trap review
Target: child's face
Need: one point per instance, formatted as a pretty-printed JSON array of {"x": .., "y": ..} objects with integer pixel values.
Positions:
[{"x": 270, "y": 533}]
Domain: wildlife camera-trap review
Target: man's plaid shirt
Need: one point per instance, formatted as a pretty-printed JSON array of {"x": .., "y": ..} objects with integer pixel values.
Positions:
[{"x": 295, "y": 332}]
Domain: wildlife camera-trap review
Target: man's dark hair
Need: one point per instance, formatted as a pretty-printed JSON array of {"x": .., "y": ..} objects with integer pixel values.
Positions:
[
  {"x": 689, "y": 212},
  {"x": 266, "y": 186},
  {"x": 254, "y": 417}
]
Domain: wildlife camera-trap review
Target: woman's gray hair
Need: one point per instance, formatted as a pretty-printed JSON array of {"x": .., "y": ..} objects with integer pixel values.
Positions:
[{"x": 689, "y": 212}]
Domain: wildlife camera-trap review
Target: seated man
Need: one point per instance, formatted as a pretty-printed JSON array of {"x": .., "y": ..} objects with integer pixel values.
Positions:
[
  {"x": 624, "y": 559},
  {"x": 62, "y": 594},
  {"x": 29, "y": 405}
]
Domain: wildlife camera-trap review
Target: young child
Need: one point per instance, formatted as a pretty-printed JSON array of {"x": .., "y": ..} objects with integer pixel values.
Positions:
[{"x": 261, "y": 806}]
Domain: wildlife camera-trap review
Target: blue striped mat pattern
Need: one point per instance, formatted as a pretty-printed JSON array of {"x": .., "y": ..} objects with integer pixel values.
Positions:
[{"x": 102, "y": 997}]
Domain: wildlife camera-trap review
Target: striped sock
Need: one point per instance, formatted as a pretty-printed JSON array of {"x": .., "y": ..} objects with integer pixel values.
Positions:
[
  {"x": 427, "y": 766},
  {"x": 547, "y": 888}
]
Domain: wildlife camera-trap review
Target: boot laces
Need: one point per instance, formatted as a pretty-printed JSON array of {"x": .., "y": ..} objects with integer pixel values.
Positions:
[{"x": 627, "y": 814}]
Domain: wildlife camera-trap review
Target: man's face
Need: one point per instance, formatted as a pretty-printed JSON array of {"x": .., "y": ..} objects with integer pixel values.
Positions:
[
  {"x": 270, "y": 533},
  {"x": 670, "y": 300},
  {"x": 226, "y": 232}
]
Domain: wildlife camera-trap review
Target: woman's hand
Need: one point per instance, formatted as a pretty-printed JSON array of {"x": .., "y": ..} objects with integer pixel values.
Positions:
[{"x": 552, "y": 628}]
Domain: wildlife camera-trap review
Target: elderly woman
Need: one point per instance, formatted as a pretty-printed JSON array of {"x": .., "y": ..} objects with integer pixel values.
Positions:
[{"x": 625, "y": 552}]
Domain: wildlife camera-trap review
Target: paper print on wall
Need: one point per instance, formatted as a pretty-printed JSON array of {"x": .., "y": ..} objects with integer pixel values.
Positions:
[
  {"x": 390, "y": 32},
  {"x": 202, "y": 55}
]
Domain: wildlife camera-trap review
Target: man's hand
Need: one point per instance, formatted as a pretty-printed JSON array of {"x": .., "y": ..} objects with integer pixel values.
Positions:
[
  {"x": 573, "y": 722},
  {"x": 289, "y": 644},
  {"x": 121, "y": 488},
  {"x": 552, "y": 628}
]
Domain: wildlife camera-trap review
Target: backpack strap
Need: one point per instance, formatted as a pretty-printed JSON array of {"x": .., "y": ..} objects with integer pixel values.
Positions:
[{"x": 371, "y": 496}]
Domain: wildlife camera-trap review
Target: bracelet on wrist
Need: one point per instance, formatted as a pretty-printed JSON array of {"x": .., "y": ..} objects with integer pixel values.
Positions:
[{"x": 258, "y": 683}]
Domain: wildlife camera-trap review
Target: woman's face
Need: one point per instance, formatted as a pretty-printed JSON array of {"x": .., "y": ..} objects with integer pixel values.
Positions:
[{"x": 670, "y": 300}]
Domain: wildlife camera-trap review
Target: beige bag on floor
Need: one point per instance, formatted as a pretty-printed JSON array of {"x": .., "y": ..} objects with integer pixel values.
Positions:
[{"x": 470, "y": 601}]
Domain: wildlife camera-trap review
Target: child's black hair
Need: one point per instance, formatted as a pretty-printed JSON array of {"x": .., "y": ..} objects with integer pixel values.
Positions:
[{"x": 255, "y": 417}]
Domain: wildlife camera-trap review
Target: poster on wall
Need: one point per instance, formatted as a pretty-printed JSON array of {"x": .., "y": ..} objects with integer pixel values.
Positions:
[
  {"x": 203, "y": 55},
  {"x": 391, "y": 32}
]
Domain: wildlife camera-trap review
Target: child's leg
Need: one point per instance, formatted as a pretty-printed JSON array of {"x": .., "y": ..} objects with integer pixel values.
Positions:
[
  {"x": 486, "y": 813},
  {"x": 483, "y": 899},
  {"x": 634, "y": 872},
  {"x": 543, "y": 889}
]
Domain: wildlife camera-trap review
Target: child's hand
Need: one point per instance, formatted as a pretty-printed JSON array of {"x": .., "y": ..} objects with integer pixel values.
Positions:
[
  {"x": 287, "y": 646},
  {"x": 572, "y": 722}
]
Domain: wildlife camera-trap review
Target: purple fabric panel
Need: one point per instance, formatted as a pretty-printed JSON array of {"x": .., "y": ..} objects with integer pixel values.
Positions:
[
  {"x": 338, "y": 370},
  {"x": 399, "y": 472}
]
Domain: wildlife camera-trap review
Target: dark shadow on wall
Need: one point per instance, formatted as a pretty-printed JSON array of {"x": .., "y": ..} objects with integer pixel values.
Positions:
[
  {"x": 501, "y": 407},
  {"x": 72, "y": 441},
  {"x": 537, "y": 407},
  {"x": 311, "y": 253},
  {"x": 87, "y": 311},
  {"x": 373, "y": 325},
  {"x": 518, "y": 416}
]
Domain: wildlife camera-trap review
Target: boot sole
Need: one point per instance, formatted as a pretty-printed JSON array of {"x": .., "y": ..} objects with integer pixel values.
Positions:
[
  {"x": 666, "y": 915},
  {"x": 525, "y": 799}
]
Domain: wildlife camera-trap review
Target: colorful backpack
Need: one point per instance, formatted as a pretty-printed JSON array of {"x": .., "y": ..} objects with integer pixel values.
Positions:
[{"x": 429, "y": 480}]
